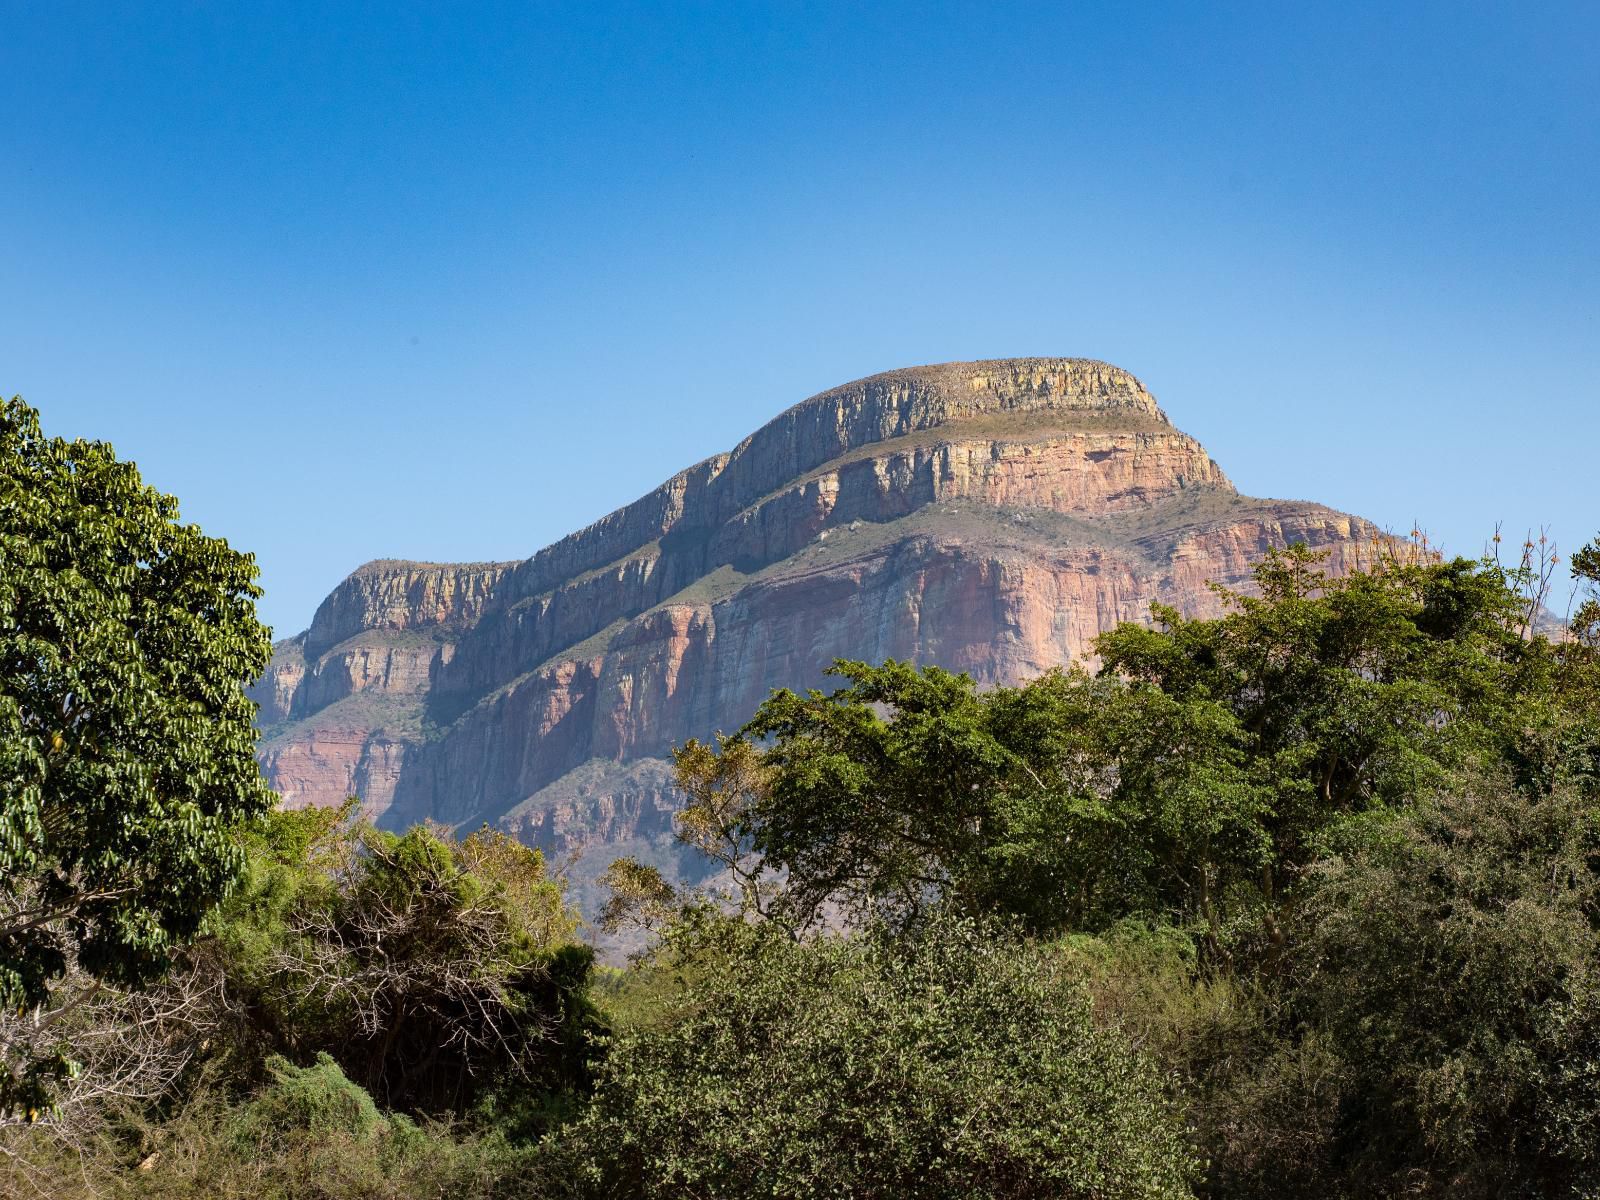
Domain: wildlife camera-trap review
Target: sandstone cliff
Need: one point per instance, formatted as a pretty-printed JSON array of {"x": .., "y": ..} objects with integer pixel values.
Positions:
[{"x": 990, "y": 517}]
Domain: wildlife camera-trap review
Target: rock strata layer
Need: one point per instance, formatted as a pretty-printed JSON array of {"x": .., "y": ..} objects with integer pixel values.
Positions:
[{"x": 991, "y": 517}]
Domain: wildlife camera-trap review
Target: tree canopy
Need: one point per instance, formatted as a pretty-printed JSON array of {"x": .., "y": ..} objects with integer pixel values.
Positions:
[
  {"x": 948, "y": 1062},
  {"x": 126, "y": 740},
  {"x": 1192, "y": 779}
]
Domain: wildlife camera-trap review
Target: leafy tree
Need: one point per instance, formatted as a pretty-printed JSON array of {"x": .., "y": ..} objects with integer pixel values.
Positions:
[
  {"x": 1451, "y": 958},
  {"x": 438, "y": 971},
  {"x": 1193, "y": 781},
  {"x": 907, "y": 786},
  {"x": 126, "y": 744},
  {"x": 944, "y": 1062},
  {"x": 1586, "y": 574},
  {"x": 1322, "y": 697}
]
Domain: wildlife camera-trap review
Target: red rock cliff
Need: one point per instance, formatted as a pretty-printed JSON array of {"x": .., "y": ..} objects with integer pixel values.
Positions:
[{"x": 991, "y": 517}]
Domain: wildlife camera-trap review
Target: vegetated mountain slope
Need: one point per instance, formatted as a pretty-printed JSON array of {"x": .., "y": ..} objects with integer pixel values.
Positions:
[{"x": 990, "y": 517}]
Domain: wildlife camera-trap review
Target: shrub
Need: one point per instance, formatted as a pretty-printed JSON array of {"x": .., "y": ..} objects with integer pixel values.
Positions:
[
  {"x": 947, "y": 1062},
  {"x": 1436, "y": 1031},
  {"x": 435, "y": 970},
  {"x": 317, "y": 1099}
]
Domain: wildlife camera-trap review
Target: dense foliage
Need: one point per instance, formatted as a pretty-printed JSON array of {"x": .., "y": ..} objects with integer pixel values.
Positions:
[
  {"x": 1191, "y": 781},
  {"x": 1451, "y": 960},
  {"x": 127, "y": 754},
  {"x": 948, "y": 1061},
  {"x": 432, "y": 975},
  {"x": 437, "y": 971},
  {"x": 1301, "y": 901},
  {"x": 1366, "y": 807}
]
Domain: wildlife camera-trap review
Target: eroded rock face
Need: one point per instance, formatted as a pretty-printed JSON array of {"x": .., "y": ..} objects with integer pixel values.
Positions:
[
  {"x": 391, "y": 595},
  {"x": 990, "y": 517}
]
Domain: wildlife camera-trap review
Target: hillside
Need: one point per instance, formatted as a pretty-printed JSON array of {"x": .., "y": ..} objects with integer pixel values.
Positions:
[{"x": 991, "y": 517}]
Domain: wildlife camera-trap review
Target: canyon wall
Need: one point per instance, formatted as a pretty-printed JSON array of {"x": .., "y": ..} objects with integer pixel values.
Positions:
[{"x": 990, "y": 517}]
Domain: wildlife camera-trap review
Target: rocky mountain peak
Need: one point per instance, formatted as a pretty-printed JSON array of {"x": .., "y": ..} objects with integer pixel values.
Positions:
[
  {"x": 991, "y": 517},
  {"x": 904, "y": 401}
]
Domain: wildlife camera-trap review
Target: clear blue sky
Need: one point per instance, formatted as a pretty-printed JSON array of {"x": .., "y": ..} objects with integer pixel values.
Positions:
[{"x": 448, "y": 281}]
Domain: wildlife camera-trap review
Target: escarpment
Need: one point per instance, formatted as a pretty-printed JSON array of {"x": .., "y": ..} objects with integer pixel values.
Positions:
[{"x": 991, "y": 517}]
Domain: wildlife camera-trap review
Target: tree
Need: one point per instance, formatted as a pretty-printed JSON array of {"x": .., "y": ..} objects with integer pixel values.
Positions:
[
  {"x": 1586, "y": 575},
  {"x": 1193, "y": 781},
  {"x": 947, "y": 1061},
  {"x": 436, "y": 970},
  {"x": 1450, "y": 955},
  {"x": 906, "y": 787},
  {"x": 127, "y": 752},
  {"x": 1327, "y": 697}
]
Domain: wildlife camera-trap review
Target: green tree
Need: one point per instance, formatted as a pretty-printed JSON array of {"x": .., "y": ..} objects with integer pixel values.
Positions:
[
  {"x": 440, "y": 972},
  {"x": 943, "y": 1061},
  {"x": 904, "y": 787},
  {"x": 1315, "y": 700},
  {"x": 910, "y": 786},
  {"x": 1586, "y": 575},
  {"x": 126, "y": 740},
  {"x": 1193, "y": 781},
  {"x": 1450, "y": 956}
]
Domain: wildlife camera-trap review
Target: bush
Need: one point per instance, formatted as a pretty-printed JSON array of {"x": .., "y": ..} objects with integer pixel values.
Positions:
[
  {"x": 311, "y": 1134},
  {"x": 317, "y": 1099},
  {"x": 948, "y": 1062},
  {"x": 436, "y": 971},
  {"x": 1436, "y": 1031}
]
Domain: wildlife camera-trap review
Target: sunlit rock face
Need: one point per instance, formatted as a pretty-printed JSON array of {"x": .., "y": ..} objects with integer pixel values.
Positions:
[{"x": 990, "y": 517}]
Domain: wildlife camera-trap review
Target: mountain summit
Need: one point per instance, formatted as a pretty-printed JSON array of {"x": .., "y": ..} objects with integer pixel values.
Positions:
[{"x": 990, "y": 517}]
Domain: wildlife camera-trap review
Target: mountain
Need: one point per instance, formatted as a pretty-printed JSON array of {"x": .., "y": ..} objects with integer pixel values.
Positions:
[{"x": 991, "y": 517}]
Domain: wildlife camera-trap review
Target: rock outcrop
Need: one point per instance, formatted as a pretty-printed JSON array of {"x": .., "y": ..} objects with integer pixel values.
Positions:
[{"x": 991, "y": 517}]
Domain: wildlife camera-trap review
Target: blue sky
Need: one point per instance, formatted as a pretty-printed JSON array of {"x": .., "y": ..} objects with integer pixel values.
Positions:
[{"x": 449, "y": 281}]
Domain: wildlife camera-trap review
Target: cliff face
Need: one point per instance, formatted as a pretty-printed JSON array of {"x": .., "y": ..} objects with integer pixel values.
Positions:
[
  {"x": 991, "y": 517},
  {"x": 341, "y": 702}
]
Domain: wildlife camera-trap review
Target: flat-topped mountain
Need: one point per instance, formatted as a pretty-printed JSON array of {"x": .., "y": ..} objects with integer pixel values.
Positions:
[{"x": 990, "y": 517}]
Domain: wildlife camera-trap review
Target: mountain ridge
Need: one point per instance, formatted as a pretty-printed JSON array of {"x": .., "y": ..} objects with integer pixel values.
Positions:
[{"x": 989, "y": 516}]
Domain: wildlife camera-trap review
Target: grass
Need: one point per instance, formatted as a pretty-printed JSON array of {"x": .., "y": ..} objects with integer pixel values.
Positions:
[{"x": 397, "y": 717}]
